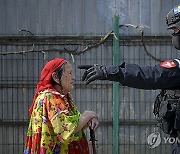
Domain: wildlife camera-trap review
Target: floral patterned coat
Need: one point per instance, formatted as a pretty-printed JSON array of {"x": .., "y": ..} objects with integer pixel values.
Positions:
[{"x": 52, "y": 125}]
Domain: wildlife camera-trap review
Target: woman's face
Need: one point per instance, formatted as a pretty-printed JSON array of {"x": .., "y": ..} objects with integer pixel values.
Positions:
[{"x": 67, "y": 79}]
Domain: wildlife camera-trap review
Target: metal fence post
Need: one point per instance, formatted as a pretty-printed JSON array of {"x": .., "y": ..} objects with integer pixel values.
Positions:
[{"x": 116, "y": 87}]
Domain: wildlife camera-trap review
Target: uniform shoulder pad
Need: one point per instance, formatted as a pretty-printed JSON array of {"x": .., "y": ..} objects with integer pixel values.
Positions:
[{"x": 170, "y": 63}]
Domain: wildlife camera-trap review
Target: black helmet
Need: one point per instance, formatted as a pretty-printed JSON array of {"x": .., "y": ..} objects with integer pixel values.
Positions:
[
  {"x": 173, "y": 21},
  {"x": 173, "y": 18}
]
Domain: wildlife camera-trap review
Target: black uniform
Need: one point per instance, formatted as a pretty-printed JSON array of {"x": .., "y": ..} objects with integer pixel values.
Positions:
[{"x": 146, "y": 77}]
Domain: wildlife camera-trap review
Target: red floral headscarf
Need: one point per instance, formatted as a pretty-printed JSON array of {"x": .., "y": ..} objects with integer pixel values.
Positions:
[{"x": 45, "y": 79}]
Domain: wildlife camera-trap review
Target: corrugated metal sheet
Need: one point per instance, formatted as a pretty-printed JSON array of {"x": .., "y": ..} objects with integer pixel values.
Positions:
[{"x": 82, "y": 17}]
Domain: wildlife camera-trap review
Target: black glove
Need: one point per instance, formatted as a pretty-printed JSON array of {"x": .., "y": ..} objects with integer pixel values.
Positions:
[{"x": 93, "y": 72}]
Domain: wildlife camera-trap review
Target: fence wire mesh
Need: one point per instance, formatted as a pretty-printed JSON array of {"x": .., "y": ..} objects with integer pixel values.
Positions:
[{"x": 19, "y": 74}]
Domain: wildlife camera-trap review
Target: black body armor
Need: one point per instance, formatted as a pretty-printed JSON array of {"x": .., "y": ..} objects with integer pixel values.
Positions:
[{"x": 167, "y": 111}]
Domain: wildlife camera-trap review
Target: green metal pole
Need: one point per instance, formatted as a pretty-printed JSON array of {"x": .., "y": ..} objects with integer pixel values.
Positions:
[{"x": 116, "y": 57}]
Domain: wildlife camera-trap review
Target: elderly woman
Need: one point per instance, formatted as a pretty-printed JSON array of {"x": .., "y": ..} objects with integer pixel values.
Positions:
[{"x": 56, "y": 126}]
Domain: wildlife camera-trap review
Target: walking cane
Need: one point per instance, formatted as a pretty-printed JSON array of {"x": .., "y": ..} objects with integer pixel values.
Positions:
[{"x": 92, "y": 139}]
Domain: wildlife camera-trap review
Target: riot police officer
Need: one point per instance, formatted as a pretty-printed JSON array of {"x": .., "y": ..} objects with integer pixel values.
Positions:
[{"x": 165, "y": 76}]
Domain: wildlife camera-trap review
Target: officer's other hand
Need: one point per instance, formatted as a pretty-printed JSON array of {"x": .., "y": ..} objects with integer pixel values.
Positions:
[{"x": 93, "y": 72}]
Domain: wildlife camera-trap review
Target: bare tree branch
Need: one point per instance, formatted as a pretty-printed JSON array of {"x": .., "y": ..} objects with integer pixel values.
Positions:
[
  {"x": 73, "y": 52},
  {"x": 142, "y": 40},
  {"x": 24, "y": 30},
  {"x": 87, "y": 47},
  {"x": 139, "y": 27}
]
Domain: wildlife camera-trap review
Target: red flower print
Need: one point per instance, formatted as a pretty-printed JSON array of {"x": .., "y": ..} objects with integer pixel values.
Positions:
[
  {"x": 55, "y": 96},
  {"x": 59, "y": 138},
  {"x": 35, "y": 122},
  {"x": 65, "y": 128},
  {"x": 57, "y": 109},
  {"x": 39, "y": 130},
  {"x": 51, "y": 145},
  {"x": 44, "y": 100},
  {"x": 43, "y": 150}
]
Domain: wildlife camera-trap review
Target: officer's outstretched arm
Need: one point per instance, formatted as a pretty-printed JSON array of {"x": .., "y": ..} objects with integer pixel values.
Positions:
[{"x": 163, "y": 76}]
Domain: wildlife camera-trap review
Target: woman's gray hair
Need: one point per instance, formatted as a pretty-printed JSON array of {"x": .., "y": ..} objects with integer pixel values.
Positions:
[{"x": 59, "y": 71}]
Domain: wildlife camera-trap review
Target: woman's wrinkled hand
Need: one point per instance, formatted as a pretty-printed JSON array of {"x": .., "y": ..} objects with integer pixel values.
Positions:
[
  {"x": 93, "y": 123},
  {"x": 87, "y": 119}
]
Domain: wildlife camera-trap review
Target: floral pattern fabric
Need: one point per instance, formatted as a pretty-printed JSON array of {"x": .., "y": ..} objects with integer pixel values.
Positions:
[{"x": 52, "y": 125}]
